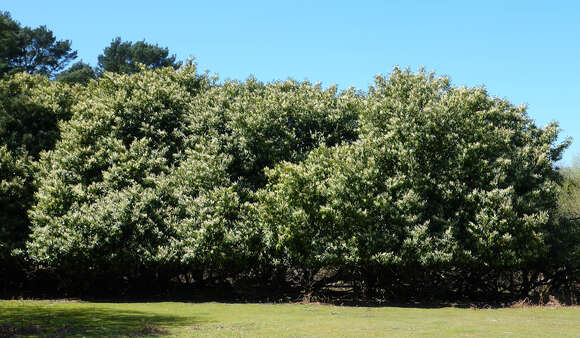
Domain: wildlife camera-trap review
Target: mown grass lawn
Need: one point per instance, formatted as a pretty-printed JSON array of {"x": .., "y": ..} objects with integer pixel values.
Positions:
[{"x": 217, "y": 319}]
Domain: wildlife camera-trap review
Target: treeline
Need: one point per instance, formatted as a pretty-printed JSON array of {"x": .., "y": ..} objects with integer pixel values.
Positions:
[
  {"x": 37, "y": 51},
  {"x": 162, "y": 178}
]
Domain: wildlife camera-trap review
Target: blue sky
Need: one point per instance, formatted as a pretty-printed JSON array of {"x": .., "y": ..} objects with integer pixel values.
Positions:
[{"x": 524, "y": 51}]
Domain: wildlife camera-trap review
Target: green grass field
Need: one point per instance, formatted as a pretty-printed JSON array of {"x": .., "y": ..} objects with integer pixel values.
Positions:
[{"x": 50, "y": 318}]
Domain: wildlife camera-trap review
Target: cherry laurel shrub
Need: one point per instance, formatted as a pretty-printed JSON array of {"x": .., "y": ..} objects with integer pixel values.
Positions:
[
  {"x": 155, "y": 172},
  {"x": 444, "y": 184},
  {"x": 415, "y": 185}
]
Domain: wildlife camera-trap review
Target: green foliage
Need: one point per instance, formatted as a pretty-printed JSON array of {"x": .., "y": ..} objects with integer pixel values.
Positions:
[
  {"x": 79, "y": 72},
  {"x": 564, "y": 239},
  {"x": 150, "y": 169},
  {"x": 107, "y": 195},
  {"x": 125, "y": 57},
  {"x": 9, "y": 43},
  {"x": 440, "y": 176},
  {"x": 16, "y": 190},
  {"x": 163, "y": 171},
  {"x": 260, "y": 125},
  {"x": 570, "y": 191},
  {"x": 480, "y": 165},
  {"x": 340, "y": 207},
  {"x": 30, "y": 109},
  {"x": 35, "y": 51}
]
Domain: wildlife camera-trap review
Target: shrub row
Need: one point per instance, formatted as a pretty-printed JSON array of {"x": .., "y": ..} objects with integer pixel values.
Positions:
[{"x": 414, "y": 185}]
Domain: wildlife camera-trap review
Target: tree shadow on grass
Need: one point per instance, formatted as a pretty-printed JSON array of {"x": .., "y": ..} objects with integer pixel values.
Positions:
[{"x": 46, "y": 320}]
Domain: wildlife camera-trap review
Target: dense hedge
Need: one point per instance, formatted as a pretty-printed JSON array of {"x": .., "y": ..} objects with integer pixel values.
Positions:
[
  {"x": 166, "y": 176},
  {"x": 442, "y": 179}
]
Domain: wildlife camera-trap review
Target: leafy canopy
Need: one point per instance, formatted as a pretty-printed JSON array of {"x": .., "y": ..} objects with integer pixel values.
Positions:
[
  {"x": 441, "y": 176},
  {"x": 164, "y": 170},
  {"x": 31, "y": 107}
]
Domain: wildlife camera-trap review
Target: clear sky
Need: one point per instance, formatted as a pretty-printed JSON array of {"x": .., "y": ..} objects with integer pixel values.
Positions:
[{"x": 525, "y": 51}]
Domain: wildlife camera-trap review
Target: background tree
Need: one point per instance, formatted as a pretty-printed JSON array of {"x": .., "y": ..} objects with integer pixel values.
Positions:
[
  {"x": 124, "y": 57},
  {"x": 79, "y": 72},
  {"x": 564, "y": 256},
  {"x": 35, "y": 51},
  {"x": 9, "y": 42},
  {"x": 570, "y": 192}
]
